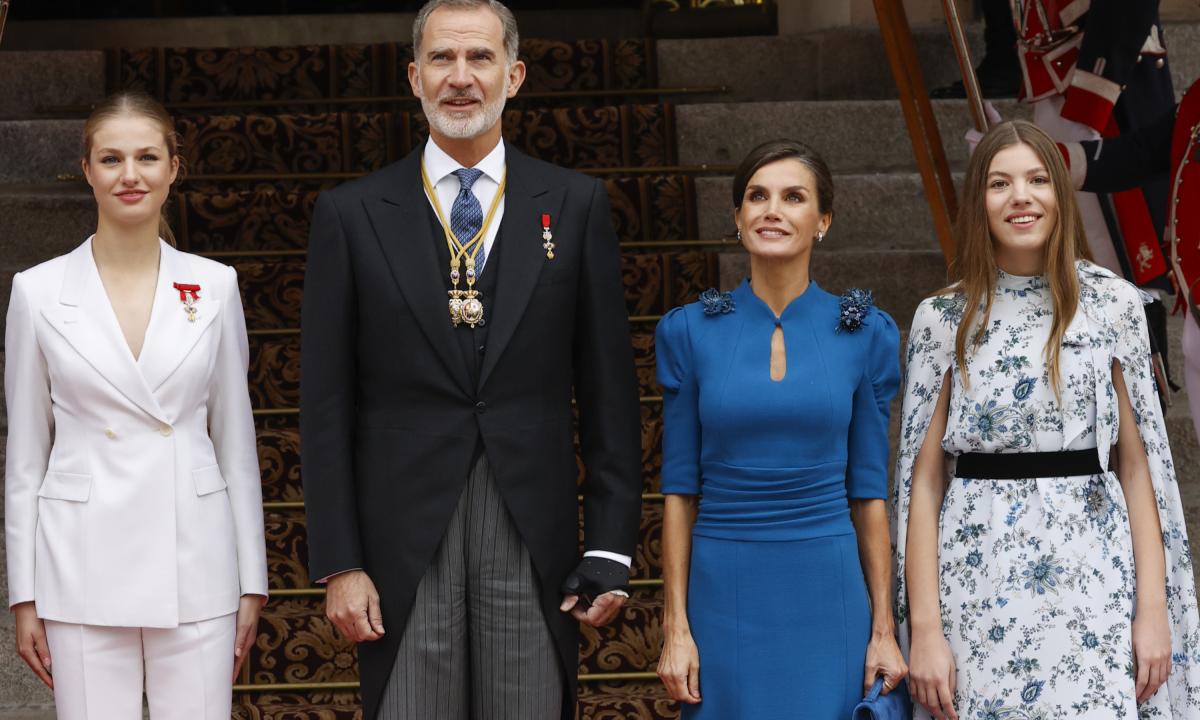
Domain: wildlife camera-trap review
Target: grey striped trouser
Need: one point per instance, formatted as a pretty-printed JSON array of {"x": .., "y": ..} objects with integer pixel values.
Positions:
[{"x": 476, "y": 644}]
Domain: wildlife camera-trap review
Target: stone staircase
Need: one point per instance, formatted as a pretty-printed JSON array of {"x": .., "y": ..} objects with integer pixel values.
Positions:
[{"x": 254, "y": 174}]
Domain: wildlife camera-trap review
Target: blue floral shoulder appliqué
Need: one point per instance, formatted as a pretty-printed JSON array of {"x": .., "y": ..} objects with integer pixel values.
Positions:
[
  {"x": 854, "y": 306},
  {"x": 717, "y": 302}
]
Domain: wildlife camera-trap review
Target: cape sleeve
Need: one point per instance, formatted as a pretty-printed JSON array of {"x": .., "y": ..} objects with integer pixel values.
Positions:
[
  {"x": 927, "y": 357},
  {"x": 681, "y": 411},
  {"x": 867, "y": 446},
  {"x": 1132, "y": 349}
]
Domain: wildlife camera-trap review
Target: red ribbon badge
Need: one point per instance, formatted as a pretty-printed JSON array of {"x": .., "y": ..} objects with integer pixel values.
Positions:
[
  {"x": 185, "y": 290},
  {"x": 547, "y": 237}
]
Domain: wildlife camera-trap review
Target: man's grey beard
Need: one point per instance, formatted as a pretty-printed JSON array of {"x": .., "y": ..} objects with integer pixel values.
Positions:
[{"x": 474, "y": 125}]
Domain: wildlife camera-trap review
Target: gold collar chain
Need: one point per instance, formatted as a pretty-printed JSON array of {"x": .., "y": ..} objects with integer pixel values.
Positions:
[{"x": 465, "y": 305}]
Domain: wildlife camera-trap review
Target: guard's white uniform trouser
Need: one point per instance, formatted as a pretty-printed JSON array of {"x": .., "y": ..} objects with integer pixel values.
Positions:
[{"x": 98, "y": 671}]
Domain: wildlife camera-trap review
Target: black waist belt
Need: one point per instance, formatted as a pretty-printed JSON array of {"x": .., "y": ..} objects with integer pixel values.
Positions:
[{"x": 1022, "y": 466}]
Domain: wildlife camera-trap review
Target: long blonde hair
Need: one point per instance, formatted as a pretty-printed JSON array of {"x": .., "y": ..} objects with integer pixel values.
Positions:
[
  {"x": 132, "y": 102},
  {"x": 974, "y": 270}
]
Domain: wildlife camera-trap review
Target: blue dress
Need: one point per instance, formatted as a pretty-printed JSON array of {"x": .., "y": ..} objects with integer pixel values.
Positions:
[{"x": 776, "y": 598}]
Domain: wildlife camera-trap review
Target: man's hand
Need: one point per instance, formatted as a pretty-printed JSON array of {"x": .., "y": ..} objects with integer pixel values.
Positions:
[
  {"x": 595, "y": 591},
  {"x": 973, "y": 136},
  {"x": 600, "y": 612},
  {"x": 352, "y": 605}
]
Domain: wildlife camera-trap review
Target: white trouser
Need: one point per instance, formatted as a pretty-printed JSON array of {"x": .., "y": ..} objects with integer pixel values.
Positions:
[
  {"x": 1047, "y": 114},
  {"x": 1191, "y": 368},
  {"x": 98, "y": 670}
]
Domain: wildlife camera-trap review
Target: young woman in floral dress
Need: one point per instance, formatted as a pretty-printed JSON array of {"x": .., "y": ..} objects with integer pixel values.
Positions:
[{"x": 1044, "y": 570}]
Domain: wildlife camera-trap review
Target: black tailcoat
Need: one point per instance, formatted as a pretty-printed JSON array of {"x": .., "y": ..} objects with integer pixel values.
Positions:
[{"x": 392, "y": 411}]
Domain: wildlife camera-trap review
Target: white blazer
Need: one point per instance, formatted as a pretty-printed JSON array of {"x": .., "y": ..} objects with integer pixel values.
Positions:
[{"x": 132, "y": 495}]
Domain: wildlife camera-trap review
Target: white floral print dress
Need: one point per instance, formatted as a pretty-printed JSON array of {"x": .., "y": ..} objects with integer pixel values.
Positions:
[{"x": 1037, "y": 578}]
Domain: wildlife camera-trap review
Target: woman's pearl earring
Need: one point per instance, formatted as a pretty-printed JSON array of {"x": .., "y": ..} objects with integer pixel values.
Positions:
[
  {"x": 739, "y": 234},
  {"x": 820, "y": 235}
]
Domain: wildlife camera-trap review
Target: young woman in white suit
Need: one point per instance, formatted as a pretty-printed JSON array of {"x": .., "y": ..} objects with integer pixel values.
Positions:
[{"x": 133, "y": 507}]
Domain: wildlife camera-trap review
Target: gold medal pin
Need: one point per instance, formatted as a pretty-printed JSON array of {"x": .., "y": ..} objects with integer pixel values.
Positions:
[{"x": 547, "y": 236}]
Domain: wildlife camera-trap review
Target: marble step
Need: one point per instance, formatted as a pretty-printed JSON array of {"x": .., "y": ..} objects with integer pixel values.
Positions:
[
  {"x": 850, "y": 63},
  {"x": 854, "y": 136},
  {"x": 33, "y": 81},
  {"x": 865, "y": 136},
  {"x": 833, "y": 64},
  {"x": 38, "y": 222},
  {"x": 841, "y": 63},
  {"x": 35, "y": 152}
]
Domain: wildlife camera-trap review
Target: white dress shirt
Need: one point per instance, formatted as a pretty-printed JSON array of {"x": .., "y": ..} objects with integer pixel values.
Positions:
[{"x": 440, "y": 168}]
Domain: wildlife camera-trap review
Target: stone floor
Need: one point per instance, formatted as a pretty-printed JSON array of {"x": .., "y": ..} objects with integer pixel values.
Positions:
[{"x": 28, "y": 713}]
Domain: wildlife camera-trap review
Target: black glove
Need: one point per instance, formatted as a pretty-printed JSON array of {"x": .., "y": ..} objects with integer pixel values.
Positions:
[{"x": 595, "y": 576}]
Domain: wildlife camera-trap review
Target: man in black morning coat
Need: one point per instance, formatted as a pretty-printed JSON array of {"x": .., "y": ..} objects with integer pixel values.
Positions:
[{"x": 438, "y": 462}]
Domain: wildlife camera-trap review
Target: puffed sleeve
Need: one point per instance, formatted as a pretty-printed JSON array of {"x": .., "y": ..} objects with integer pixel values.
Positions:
[
  {"x": 681, "y": 412},
  {"x": 867, "y": 447}
]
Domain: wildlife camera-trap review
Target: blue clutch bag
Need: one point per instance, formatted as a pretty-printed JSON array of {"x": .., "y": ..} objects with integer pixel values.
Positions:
[{"x": 896, "y": 705}]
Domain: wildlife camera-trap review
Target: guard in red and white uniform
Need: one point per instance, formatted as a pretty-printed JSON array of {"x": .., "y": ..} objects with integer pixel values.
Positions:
[
  {"x": 1169, "y": 144},
  {"x": 1094, "y": 69}
]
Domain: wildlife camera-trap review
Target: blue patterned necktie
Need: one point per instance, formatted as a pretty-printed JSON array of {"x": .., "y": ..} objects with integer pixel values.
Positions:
[{"x": 466, "y": 216}]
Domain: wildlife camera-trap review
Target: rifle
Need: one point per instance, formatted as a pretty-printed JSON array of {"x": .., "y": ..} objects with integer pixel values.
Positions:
[{"x": 970, "y": 82}]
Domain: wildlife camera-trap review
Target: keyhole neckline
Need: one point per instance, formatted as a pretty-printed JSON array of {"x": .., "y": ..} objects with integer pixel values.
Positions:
[
  {"x": 794, "y": 306},
  {"x": 778, "y": 365}
]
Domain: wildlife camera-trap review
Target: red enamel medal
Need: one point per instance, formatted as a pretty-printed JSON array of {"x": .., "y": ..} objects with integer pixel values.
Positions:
[
  {"x": 547, "y": 236},
  {"x": 188, "y": 295}
]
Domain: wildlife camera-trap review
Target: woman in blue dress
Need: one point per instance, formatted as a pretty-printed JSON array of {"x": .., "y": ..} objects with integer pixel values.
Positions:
[{"x": 776, "y": 550}]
